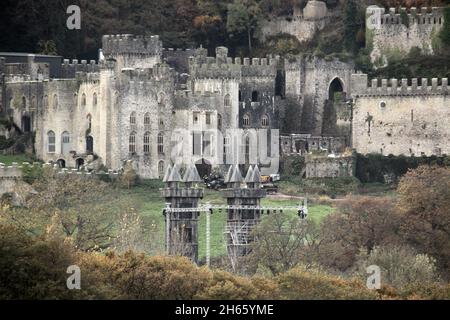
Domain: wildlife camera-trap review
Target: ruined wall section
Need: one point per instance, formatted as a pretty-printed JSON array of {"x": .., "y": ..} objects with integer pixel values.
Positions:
[
  {"x": 391, "y": 34},
  {"x": 406, "y": 117},
  {"x": 302, "y": 24}
]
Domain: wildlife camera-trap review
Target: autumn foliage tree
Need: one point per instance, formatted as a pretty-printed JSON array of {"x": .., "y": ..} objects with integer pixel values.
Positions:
[{"x": 424, "y": 203}]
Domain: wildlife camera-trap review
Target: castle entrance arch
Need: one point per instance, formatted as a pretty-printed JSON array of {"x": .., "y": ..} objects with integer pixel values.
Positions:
[{"x": 336, "y": 96}]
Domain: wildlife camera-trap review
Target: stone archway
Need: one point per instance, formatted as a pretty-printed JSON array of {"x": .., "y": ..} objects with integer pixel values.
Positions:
[
  {"x": 79, "y": 163},
  {"x": 336, "y": 96}
]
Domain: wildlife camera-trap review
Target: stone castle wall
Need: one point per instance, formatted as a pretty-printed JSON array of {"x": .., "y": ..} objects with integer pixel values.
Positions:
[{"x": 407, "y": 117}]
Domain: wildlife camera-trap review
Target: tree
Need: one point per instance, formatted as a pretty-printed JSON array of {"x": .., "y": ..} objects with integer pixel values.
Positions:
[
  {"x": 424, "y": 203},
  {"x": 360, "y": 222},
  {"x": 350, "y": 25},
  {"x": 86, "y": 208},
  {"x": 281, "y": 242},
  {"x": 243, "y": 17}
]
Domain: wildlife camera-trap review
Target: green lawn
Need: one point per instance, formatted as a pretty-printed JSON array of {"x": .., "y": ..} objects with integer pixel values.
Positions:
[
  {"x": 150, "y": 205},
  {"x": 19, "y": 158}
]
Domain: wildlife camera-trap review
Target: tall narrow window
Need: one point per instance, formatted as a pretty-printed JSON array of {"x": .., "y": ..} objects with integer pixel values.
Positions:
[
  {"x": 226, "y": 145},
  {"x": 132, "y": 143},
  {"x": 160, "y": 143},
  {"x": 219, "y": 121},
  {"x": 208, "y": 118},
  {"x": 161, "y": 168},
  {"x": 147, "y": 143},
  {"x": 133, "y": 118},
  {"x": 133, "y": 121},
  {"x": 265, "y": 121},
  {"x": 83, "y": 100},
  {"x": 24, "y": 103},
  {"x": 51, "y": 142},
  {"x": 65, "y": 143},
  {"x": 246, "y": 120},
  {"x": 147, "y": 121},
  {"x": 255, "y": 96},
  {"x": 55, "y": 102},
  {"x": 227, "y": 101},
  {"x": 94, "y": 100}
]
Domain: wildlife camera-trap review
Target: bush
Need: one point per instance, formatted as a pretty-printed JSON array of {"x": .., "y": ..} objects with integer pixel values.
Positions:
[
  {"x": 401, "y": 267},
  {"x": 302, "y": 284}
]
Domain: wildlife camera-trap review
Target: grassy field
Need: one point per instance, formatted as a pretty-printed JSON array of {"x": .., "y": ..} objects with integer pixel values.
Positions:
[
  {"x": 9, "y": 159},
  {"x": 149, "y": 204}
]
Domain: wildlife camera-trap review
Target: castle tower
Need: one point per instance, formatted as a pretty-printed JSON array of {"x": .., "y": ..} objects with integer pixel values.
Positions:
[
  {"x": 130, "y": 51},
  {"x": 182, "y": 225},
  {"x": 242, "y": 220}
]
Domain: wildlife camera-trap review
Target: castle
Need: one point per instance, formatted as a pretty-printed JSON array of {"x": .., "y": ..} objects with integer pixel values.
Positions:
[{"x": 155, "y": 106}]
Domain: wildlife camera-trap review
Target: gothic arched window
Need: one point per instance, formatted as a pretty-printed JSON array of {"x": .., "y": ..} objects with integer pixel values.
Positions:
[
  {"x": 160, "y": 143},
  {"x": 132, "y": 143},
  {"x": 51, "y": 142},
  {"x": 147, "y": 143}
]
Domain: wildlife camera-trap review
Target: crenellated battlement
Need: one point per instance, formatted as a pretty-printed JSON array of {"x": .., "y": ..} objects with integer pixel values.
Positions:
[
  {"x": 222, "y": 66},
  {"x": 69, "y": 69},
  {"x": 400, "y": 87},
  {"x": 131, "y": 44},
  {"x": 396, "y": 16}
]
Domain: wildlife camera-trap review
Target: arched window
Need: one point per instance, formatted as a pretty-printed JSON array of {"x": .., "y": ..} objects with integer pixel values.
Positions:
[
  {"x": 75, "y": 99},
  {"x": 55, "y": 101},
  {"x": 45, "y": 101},
  {"x": 133, "y": 118},
  {"x": 227, "y": 101},
  {"x": 24, "y": 103},
  {"x": 65, "y": 142},
  {"x": 51, "y": 142},
  {"x": 265, "y": 121},
  {"x": 226, "y": 145},
  {"x": 219, "y": 121},
  {"x": 147, "y": 121},
  {"x": 147, "y": 143},
  {"x": 161, "y": 169},
  {"x": 161, "y": 124},
  {"x": 132, "y": 143},
  {"x": 160, "y": 143},
  {"x": 33, "y": 102},
  {"x": 255, "y": 96},
  {"x": 83, "y": 100},
  {"x": 246, "y": 120},
  {"x": 94, "y": 100}
]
